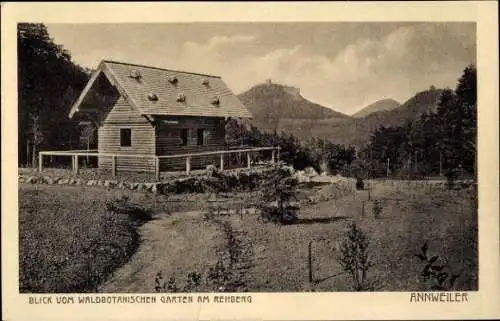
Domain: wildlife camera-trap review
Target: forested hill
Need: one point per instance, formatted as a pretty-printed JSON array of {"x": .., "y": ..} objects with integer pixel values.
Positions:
[
  {"x": 269, "y": 103},
  {"x": 357, "y": 131},
  {"x": 48, "y": 82}
]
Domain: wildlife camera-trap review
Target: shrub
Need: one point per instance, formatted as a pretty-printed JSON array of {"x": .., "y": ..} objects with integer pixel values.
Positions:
[
  {"x": 354, "y": 257},
  {"x": 377, "y": 208},
  {"x": 279, "y": 198},
  {"x": 360, "y": 185},
  {"x": 123, "y": 205},
  {"x": 433, "y": 272},
  {"x": 451, "y": 177},
  {"x": 219, "y": 276},
  {"x": 193, "y": 281}
]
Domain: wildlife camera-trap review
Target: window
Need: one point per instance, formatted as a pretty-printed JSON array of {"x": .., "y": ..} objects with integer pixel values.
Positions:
[
  {"x": 184, "y": 136},
  {"x": 202, "y": 137},
  {"x": 125, "y": 137}
]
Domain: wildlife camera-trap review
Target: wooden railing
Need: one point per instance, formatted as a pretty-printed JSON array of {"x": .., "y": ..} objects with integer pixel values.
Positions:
[{"x": 83, "y": 153}]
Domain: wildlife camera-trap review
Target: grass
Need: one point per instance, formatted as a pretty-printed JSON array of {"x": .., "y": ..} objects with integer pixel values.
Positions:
[
  {"x": 270, "y": 257},
  {"x": 276, "y": 257},
  {"x": 70, "y": 241}
]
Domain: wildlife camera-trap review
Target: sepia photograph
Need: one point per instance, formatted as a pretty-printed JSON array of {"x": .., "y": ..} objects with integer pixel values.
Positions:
[
  {"x": 220, "y": 163},
  {"x": 247, "y": 157}
]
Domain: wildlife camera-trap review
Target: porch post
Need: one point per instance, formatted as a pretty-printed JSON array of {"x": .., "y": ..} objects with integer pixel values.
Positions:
[
  {"x": 157, "y": 168},
  {"x": 272, "y": 156},
  {"x": 249, "y": 159},
  {"x": 188, "y": 165},
  {"x": 113, "y": 165},
  {"x": 75, "y": 164},
  {"x": 221, "y": 162},
  {"x": 40, "y": 161}
]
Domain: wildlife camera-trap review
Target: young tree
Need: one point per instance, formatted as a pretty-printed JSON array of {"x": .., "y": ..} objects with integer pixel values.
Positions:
[{"x": 37, "y": 138}]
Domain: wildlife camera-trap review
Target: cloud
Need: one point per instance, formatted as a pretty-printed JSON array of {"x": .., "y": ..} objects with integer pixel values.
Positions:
[{"x": 395, "y": 65}]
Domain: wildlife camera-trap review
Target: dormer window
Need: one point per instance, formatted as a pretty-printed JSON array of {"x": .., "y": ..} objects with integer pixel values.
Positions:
[
  {"x": 216, "y": 101},
  {"x": 172, "y": 80},
  {"x": 181, "y": 97},
  {"x": 205, "y": 82},
  {"x": 153, "y": 97},
  {"x": 135, "y": 74}
]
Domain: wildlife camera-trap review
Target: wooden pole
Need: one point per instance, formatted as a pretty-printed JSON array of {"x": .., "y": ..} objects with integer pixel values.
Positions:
[
  {"x": 27, "y": 153},
  {"x": 113, "y": 165},
  {"x": 249, "y": 159},
  {"x": 157, "y": 168},
  {"x": 75, "y": 164},
  {"x": 387, "y": 168},
  {"x": 88, "y": 148},
  {"x": 221, "y": 162},
  {"x": 272, "y": 157},
  {"x": 40, "y": 162},
  {"x": 310, "y": 262},
  {"x": 188, "y": 165},
  {"x": 440, "y": 164}
]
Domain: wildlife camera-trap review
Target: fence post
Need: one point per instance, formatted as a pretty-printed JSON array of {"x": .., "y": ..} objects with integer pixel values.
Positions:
[
  {"x": 113, "y": 165},
  {"x": 188, "y": 165},
  {"x": 249, "y": 159},
  {"x": 40, "y": 162},
  {"x": 75, "y": 164},
  {"x": 309, "y": 257},
  {"x": 157, "y": 167},
  {"x": 221, "y": 162}
]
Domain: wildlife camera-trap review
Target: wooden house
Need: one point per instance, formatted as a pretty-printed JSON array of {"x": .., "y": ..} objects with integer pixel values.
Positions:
[{"x": 144, "y": 112}]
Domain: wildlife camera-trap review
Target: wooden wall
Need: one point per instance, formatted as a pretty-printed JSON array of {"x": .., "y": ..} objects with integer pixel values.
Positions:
[
  {"x": 122, "y": 115},
  {"x": 168, "y": 142},
  {"x": 161, "y": 137}
]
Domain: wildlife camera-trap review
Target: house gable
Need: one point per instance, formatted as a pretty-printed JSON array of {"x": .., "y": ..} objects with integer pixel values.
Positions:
[
  {"x": 155, "y": 91},
  {"x": 105, "y": 102}
]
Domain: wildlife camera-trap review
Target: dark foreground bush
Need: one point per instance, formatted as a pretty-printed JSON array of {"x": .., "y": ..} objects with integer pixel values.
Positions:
[
  {"x": 360, "y": 185},
  {"x": 279, "y": 198},
  {"x": 222, "y": 182},
  {"x": 135, "y": 212},
  {"x": 72, "y": 239}
]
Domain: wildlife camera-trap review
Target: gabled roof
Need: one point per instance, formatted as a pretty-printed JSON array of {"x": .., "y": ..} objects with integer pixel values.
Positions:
[{"x": 138, "y": 83}]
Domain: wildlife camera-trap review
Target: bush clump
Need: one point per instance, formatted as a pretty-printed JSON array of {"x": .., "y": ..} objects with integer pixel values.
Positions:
[
  {"x": 354, "y": 257},
  {"x": 279, "y": 198},
  {"x": 135, "y": 212}
]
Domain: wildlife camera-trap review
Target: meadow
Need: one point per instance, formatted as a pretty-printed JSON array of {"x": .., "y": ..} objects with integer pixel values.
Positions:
[{"x": 219, "y": 242}]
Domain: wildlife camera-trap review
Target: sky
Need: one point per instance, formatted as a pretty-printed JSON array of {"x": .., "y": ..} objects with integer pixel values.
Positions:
[{"x": 344, "y": 66}]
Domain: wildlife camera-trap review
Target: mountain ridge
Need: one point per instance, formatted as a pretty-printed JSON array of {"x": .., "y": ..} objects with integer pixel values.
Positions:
[
  {"x": 274, "y": 108},
  {"x": 271, "y": 102},
  {"x": 386, "y": 104}
]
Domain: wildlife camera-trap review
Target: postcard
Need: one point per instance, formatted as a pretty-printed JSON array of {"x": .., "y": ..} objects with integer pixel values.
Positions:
[{"x": 250, "y": 161}]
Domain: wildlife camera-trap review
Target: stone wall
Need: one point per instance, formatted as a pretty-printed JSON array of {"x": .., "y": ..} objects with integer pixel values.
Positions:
[{"x": 210, "y": 181}]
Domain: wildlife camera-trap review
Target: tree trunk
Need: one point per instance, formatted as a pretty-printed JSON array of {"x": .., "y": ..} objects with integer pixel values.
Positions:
[
  {"x": 33, "y": 156},
  {"x": 27, "y": 153}
]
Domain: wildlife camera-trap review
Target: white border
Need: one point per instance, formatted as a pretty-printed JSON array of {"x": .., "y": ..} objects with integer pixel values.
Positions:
[{"x": 277, "y": 306}]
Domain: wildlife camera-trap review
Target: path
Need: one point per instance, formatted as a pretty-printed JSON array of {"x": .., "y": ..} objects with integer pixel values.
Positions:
[{"x": 174, "y": 244}]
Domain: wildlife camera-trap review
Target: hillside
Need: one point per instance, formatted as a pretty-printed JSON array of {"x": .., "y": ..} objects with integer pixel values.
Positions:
[
  {"x": 270, "y": 103},
  {"x": 380, "y": 105},
  {"x": 274, "y": 107}
]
